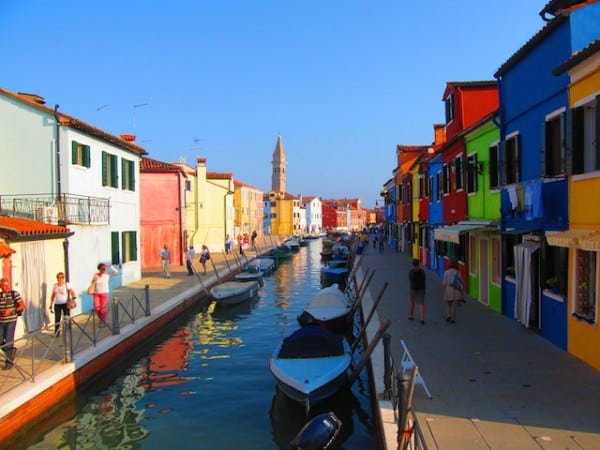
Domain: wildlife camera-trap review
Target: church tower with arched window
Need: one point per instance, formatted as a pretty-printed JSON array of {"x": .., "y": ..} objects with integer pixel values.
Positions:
[{"x": 279, "y": 162}]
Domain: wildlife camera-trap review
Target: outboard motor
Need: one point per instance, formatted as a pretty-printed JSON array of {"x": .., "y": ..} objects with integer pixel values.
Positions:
[
  {"x": 305, "y": 319},
  {"x": 317, "y": 434}
]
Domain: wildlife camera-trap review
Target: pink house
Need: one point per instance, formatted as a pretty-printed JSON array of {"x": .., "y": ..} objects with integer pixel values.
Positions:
[{"x": 161, "y": 213}]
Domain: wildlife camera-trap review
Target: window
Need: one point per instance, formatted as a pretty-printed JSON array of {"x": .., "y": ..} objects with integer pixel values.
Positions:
[
  {"x": 586, "y": 137},
  {"x": 80, "y": 154},
  {"x": 273, "y": 204},
  {"x": 555, "y": 267},
  {"x": 512, "y": 162},
  {"x": 585, "y": 285},
  {"x": 430, "y": 189},
  {"x": 127, "y": 175},
  {"x": 188, "y": 185},
  {"x": 458, "y": 172},
  {"x": 115, "y": 257},
  {"x": 129, "y": 246},
  {"x": 508, "y": 254},
  {"x": 496, "y": 267},
  {"x": 449, "y": 104},
  {"x": 554, "y": 149},
  {"x": 472, "y": 170},
  {"x": 446, "y": 178},
  {"x": 109, "y": 170},
  {"x": 439, "y": 186},
  {"x": 494, "y": 166}
]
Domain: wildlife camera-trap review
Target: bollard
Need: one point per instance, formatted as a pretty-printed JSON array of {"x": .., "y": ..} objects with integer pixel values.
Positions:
[
  {"x": 115, "y": 317},
  {"x": 67, "y": 333},
  {"x": 387, "y": 373},
  {"x": 147, "y": 299}
]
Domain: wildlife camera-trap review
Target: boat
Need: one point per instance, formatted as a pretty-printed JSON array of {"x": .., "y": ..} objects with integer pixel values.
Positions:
[
  {"x": 282, "y": 252},
  {"x": 329, "y": 308},
  {"x": 333, "y": 274},
  {"x": 234, "y": 292},
  {"x": 311, "y": 364},
  {"x": 266, "y": 265},
  {"x": 334, "y": 264},
  {"x": 250, "y": 276},
  {"x": 294, "y": 244}
]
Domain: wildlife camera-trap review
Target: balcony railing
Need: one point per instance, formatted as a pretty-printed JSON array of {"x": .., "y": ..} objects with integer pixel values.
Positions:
[{"x": 62, "y": 210}]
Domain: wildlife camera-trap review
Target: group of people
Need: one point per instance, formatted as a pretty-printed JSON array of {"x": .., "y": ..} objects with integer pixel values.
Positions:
[
  {"x": 190, "y": 254},
  {"x": 452, "y": 289}
]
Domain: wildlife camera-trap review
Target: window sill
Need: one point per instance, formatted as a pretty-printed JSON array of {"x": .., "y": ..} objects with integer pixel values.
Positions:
[
  {"x": 553, "y": 295},
  {"x": 510, "y": 279},
  {"x": 584, "y": 318}
]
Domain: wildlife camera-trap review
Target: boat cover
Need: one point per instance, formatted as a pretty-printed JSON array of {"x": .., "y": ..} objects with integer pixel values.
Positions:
[{"x": 312, "y": 342}]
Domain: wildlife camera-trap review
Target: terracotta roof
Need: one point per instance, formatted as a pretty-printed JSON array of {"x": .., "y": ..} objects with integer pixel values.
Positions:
[
  {"x": 38, "y": 102},
  {"x": 578, "y": 57},
  {"x": 237, "y": 183},
  {"x": 17, "y": 228},
  {"x": 219, "y": 175},
  {"x": 153, "y": 165},
  {"x": 5, "y": 250}
]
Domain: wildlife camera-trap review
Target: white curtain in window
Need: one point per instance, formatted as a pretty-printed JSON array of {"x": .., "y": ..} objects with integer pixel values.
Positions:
[
  {"x": 35, "y": 290},
  {"x": 523, "y": 295}
]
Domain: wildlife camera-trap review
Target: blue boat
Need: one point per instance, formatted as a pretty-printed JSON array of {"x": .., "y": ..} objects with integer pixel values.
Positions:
[
  {"x": 333, "y": 274},
  {"x": 311, "y": 364}
]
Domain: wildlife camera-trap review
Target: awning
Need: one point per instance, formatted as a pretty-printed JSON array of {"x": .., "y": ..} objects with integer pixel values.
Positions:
[
  {"x": 584, "y": 239},
  {"x": 452, "y": 233}
]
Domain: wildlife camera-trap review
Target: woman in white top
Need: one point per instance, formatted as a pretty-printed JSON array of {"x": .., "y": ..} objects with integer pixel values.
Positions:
[
  {"x": 59, "y": 300},
  {"x": 101, "y": 291}
]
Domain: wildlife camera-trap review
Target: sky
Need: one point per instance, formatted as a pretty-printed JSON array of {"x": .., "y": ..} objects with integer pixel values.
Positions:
[{"x": 341, "y": 81}]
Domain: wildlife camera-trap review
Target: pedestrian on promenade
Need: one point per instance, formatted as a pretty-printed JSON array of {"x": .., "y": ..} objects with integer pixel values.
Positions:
[
  {"x": 190, "y": 254},
  {"x": 381, "y": 242},
  {"x": 59, "y": 300},
  {"x": 204, "y": 256},
  {"x": 253, "y": 240},
  {"x": 240, "y": 240},
  {"x": 452, "y": 285},
  {"x": 416, "y": 278},
  {"x": 100, "y": 286},
  {"x": 11, "y": 307},
  {"x": 228, "y": 244},
  {"x": 165, "y": 261}
]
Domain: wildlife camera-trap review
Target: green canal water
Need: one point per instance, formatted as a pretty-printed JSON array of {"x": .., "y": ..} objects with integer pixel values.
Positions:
[{"x": 206, "y": 383}]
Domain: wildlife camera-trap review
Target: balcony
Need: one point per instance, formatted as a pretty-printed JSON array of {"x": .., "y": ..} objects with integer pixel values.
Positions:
[{"x": 66, "y": 209}]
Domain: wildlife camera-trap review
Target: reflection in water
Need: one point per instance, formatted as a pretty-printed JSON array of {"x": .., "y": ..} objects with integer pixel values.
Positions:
[{"x": 207, "y": 385}]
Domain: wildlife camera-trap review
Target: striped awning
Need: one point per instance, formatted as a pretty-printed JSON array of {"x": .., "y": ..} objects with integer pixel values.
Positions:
[
  {"x": 452, "y": 233},
  {"x": 584, "y": 239}
]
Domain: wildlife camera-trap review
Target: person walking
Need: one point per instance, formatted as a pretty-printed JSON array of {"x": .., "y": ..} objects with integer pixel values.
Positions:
[
  {"x": 190, "y": 254},
  {"x": 100, "y": 286},
  {"x": 452, "y": 285},
  {"x": 253, "y": 240},
  {"x": 11, "y": 307},
  {"x": 204, "y": 256},
  {"x": 240, "y": 239},
  {"x": 416, "y": 278},
  {"x": 165, "y": 261},
  {"x": 59, "y": 300},
  {"x": 228, "y": 244}
]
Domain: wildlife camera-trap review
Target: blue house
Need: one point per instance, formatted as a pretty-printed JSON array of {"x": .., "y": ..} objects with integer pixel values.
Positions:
[{"x": 533, "y": 159}]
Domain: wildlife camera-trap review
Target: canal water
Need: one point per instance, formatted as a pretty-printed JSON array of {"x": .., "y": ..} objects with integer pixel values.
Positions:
[{"x": 206, "y": 384}]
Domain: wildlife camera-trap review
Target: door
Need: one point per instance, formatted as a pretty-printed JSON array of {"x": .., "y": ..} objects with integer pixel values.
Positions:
[{"x": 484, "y": 281}]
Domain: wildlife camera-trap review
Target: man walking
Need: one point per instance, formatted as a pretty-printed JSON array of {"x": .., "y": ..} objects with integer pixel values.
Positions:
[
  {"x": 189, "y": 259},
  {"x": 165, "y": 261},
  {"x": 11, "y": 306}
]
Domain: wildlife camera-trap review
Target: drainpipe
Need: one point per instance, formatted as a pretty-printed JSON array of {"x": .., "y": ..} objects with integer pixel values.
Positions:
[{"x": 58, "y": 178}]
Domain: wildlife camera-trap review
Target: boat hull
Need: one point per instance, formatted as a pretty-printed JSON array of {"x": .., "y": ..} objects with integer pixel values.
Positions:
[{"x": 234, "y": 292}]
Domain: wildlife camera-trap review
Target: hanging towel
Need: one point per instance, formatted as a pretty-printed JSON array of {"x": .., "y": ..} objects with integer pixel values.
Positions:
[{"x": 513, "y": 197}]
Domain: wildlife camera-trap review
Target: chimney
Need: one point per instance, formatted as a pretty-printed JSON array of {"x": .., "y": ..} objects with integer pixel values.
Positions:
[
  {"x": 33, "y": 97},
  {"x": 128, "y": 138}
]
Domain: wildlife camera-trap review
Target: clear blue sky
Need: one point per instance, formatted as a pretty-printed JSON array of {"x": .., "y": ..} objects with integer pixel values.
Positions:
[{"x": 342, "y": 81}]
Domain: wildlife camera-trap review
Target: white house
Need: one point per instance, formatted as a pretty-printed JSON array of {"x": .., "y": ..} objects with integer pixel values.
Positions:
[
  {"x": 314, "y": 214},
  {"x": 59, "y": 169}
]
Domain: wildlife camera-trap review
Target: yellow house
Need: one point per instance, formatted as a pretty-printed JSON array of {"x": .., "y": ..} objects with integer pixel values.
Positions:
[
  {"x": 284, "y": 213},
  {"x": 583, "y": 237},
  {"x": 248, "y": 205},
  {"x": 208, "y": 203}
]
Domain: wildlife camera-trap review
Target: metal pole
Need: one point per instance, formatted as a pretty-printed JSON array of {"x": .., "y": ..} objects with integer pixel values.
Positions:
[
  {"x": 115, "y": 317},
  {"x": 402, "y": 383},
  {"x": 387, "y": 374},
  {"x": 147, "y": 300},
  {"x": 67, "y": 339}
]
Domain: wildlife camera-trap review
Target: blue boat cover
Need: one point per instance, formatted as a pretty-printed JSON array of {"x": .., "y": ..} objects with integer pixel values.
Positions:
[{"x": 312, "y": 342}]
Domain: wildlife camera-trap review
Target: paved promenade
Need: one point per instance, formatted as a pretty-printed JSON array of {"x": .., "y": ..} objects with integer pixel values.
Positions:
[{"x": 494, "y": 384}]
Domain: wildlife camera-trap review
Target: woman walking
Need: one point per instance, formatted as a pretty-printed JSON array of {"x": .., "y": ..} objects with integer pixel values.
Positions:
[
  {"x": 100, "y": 284},
  {"x": 416, "y": 278},
  {"x": 453, "y": 290},
  {"x": 61, "y": 291}
]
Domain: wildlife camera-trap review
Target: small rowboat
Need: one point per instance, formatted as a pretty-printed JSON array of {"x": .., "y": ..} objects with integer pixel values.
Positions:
[{"x": 234, "y": 292}]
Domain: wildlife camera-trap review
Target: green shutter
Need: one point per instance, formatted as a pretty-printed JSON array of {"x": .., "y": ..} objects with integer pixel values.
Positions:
[
  {"x": 133, "y": 246},
  {"x": 86, "y": 156},
  {"x": 123, "y": 172},
  {"x": 131, "y": 175},
  {"x": 104, "y": 168},
  {"x": 114, "y": 237},
  {"x": 73, "y": 152},
  {"x": 113, "y": 175}
]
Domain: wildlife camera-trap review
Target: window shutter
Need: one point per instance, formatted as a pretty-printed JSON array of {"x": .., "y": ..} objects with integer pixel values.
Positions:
[
  {"x": 597, "y": 136},
  {"x": 114, "y": 237},
  {"x": 502, "y": 158},
  {"x": 563, "y": 143},
  {"x": 123, "y": 172},
  {"x": 73, "y": 152},
  {"x": 86, "y": 156},
  {"x": 131, "y": 175},
  {"x": 518, "y": 158},
  {"x": 114, "y": 171},
  {"x": 568, "y": 138},
  {"x": 545, "y": 132},
  {"x": 133, "y": 246},
  {"x": 104, "y": 168}
]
